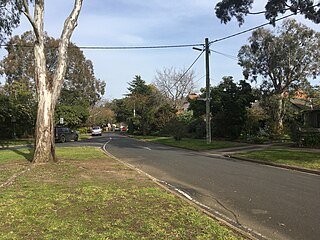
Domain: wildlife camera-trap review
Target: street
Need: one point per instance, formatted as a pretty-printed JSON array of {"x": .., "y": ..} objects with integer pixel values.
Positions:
[{"x": 274, "y": 202}]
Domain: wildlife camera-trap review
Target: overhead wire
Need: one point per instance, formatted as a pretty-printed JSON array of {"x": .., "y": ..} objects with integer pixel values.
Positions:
[
  {"x": 249, "y": 30},
  {"x": 225, "y": 54}
]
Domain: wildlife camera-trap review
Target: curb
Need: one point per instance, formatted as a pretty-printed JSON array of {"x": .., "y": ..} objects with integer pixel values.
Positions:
[{"x": 304, "y": 170}]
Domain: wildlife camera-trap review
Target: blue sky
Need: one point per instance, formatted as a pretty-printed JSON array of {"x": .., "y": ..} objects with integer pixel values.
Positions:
[{"x": 150, "y": 23}]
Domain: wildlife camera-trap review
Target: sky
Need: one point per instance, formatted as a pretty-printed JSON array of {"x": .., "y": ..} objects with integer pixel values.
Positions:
[{"x": 111, "y": 23}]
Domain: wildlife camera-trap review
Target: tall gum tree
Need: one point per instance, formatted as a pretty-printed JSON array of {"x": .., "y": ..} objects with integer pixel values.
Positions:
[
  {"x": 48, "y": 89},
  {"x": 285, "y": 60}
]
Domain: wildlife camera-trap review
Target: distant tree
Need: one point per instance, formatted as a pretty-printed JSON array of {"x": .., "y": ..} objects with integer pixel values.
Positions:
[
  {"x": 73, "y": 116},
  {"x": 175, "y": 85},
  {"x": 229, "y": 103},
  {"x": 164, "y": 114},
  {"x": 144, "y": 100},
  {"x": 285, "y": 61},
  {"x": 138, "y": 86},
  {"x": 122, "y": 109},
  {"x": 101, "y": 114},
  {"x": 227, "y": 9}
]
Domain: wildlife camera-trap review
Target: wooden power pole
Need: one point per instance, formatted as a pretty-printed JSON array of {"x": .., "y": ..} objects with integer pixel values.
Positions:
[{"x": 208, "y": 118}]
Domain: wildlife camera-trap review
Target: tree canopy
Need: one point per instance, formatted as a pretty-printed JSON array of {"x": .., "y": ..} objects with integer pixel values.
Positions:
[
  {"x": 285, "y": 60},
  {"x": 228, "y": 106},
  {"x": 227, "y": 9},
  {"x": 9, "y": 17},
  {"x": 18, "y": 66}
]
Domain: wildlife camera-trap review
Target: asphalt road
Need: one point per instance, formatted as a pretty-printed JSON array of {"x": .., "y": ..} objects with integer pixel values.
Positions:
[{"x": 277, "y": 203}]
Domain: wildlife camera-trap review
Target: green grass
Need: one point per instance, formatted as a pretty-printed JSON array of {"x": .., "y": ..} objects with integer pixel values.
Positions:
[
  {"x": 188, "y": 143},
  {"x": 87, "y": 195},
  {"x": 15, "y": 142},
  {"x": 297, "y": 158}
]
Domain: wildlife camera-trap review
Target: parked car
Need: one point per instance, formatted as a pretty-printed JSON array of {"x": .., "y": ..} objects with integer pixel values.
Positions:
[
  {"x": 64, "y": 134},
  {"x": 96, "y": 131}
]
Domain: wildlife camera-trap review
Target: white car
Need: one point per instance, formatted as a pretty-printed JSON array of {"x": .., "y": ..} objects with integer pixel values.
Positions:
[{"x": 96, "y": 131}]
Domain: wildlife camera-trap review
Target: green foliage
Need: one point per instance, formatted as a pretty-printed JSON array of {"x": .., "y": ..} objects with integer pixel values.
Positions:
[
  {"x": 310, "y": 139},
  {"x": 18, "y": 96},
  {"x": 73, "y": 116},
  {"x": 122, "y": 109},
  {"x": 18, "y": 66},
  {"x": 164, "y": 114},
  {"x": 229, "y": 103},
  {"x": 227, "y": 9},
  {"x": 17, "y": 111},
  {"x": 255, "y": 129},
  {"x": 141, "y": 108},
  {"x": 138, "y": 87},
  {"x": 285, "y": 59},
  {"x": 176, "y": 128},
  {"x": 9, "y": 17},
  {"x": 101, "y": 114},
  {"x": 197, "y": 128}
]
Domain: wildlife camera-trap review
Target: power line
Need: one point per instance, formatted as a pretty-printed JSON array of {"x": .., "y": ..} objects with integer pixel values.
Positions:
[
  {"x": 163, "y": 46},
  {"x": 249, "y": 30},
  {"x": 224, "y": 54},
  {"x": 119, "y": 47},
  {"x": 194, "y": 62},
  {"x": 139, "y": 47}
]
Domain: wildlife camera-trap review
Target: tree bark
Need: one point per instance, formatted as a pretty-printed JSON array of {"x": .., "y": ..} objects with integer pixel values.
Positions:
[
  {"x": 280, "y": 113},
  {"x": 48, "y": 90}
]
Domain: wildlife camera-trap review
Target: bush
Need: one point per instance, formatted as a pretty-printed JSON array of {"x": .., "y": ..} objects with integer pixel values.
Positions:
[
  {"x": 84, "y": 130},
  {"x": 177, "y": 129},
  {"x": 309, "y": 139},
  {"x": 197, "y": 128}
]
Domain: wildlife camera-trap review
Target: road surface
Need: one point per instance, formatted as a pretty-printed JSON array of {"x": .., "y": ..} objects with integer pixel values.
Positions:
[{"x": 274, "y": 202}]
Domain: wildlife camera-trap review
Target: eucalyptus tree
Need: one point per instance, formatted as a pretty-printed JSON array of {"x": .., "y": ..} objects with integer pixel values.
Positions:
[
  {"x": 18, "y": 66},
  {"x": 48, "y": 88},
  {"x": 285, "y": 59},
  {"x": 18, "y": 69},
  {"x": 227, "y": 9}
]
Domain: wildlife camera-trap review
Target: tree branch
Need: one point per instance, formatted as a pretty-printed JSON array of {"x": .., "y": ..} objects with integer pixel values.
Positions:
[
  {"x": 26, "y": 12},
  {"x": 69, "y": 26}
]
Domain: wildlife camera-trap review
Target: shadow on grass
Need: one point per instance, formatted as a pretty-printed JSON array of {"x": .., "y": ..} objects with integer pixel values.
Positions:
[
  {"x": 27, "y": 155},
  {"x": 22, "y": 147}
]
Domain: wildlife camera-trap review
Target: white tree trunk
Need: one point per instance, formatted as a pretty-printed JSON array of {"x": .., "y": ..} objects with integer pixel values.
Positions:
[
  {"x": 280, "y": 113},
  {"x": 48, "y": 90}
]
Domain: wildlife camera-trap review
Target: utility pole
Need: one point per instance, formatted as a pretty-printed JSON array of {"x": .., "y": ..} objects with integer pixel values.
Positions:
[{"x": 208, "y": 118}]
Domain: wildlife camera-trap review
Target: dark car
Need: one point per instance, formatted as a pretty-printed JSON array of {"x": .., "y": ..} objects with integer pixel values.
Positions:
[{"x": 63, "y": 134}]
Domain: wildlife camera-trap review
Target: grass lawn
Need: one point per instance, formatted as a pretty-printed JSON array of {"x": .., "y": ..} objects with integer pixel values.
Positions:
[
  {"x": 15, "y": 142},
  {"x": 189, "y": 143},
  {"x": 87, "y": 195},
  {"x": 297, "y": 158}
]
